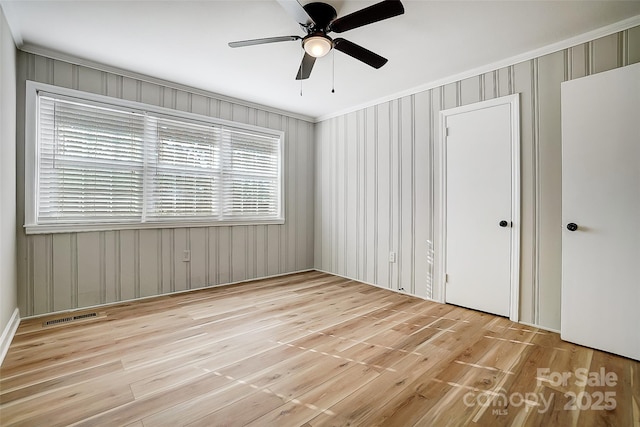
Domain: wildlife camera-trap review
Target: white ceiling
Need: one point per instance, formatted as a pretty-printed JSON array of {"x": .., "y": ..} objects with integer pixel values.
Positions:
[{"x": 186, "y": 42}]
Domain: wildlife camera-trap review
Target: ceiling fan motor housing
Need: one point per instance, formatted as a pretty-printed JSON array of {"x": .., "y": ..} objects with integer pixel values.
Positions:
[{"x": 322, "y": 15}]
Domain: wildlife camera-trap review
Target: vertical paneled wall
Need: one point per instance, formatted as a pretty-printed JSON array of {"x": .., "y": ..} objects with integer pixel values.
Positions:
[
  {"x": 70, "y": 270},
  {"x": 376, "y": 175},
  {"x": 8, "y": 268}
]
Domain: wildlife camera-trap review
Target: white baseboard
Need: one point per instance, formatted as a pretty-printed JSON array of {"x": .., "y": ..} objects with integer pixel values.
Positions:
[
  {"x": 427, "y": 299},
  {"x": 184, "y": 291},
  {"x": 8, "y": 334},
  {"x": 379, "y": 286}
]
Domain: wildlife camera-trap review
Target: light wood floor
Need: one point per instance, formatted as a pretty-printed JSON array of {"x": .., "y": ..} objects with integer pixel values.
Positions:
[{"x": 307, "y": 349}]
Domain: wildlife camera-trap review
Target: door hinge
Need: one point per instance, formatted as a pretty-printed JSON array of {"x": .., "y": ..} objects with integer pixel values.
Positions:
[
  {"x": 447, "y": 132},
  {"x": 446, "y": 278}
]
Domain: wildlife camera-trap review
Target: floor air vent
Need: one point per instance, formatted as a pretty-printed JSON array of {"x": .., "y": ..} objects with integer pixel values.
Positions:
[{"x": 70, "y": 319}]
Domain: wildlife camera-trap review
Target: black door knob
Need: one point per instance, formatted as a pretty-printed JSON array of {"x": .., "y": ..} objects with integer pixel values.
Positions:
[
  {"x": 572, "y": 226},
  {"x": 503, "y": 223}
]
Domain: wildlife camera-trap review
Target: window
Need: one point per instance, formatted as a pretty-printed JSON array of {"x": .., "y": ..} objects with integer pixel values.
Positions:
[{"x": 96, "y": 163}]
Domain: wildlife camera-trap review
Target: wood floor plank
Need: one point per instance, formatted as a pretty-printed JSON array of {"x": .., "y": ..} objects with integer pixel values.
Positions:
[
  {"x": 60, "y": 382},
  {"x": 308, "y": 349},
  {"x": 252, "y": 390},
  {"x": 364, "y": 404},
  {"x": 423, "y": 393},
  {"x": 187, "y": 395},
  {"x": 307, "y": 405}
]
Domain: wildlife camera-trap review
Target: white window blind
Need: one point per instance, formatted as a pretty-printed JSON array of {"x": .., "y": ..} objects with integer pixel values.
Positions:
[
  {"x": 184, "y": 170},
  {"x": 90, "y": 163},
  {"x": 251, "y": 173},
  {"x": 102, "y": 166}
]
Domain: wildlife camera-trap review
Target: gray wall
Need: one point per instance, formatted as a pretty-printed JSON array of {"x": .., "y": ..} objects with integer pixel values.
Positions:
[
  {"x": 71, "y": 270},
  {"x": 376, "y": 171},
  {"x": 8, "y": 269}
]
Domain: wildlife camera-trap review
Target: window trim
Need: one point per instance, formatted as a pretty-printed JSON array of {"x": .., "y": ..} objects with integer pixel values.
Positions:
[{"x": 31, "y": 160}]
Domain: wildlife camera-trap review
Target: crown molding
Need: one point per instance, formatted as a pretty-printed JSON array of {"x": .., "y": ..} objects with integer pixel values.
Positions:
[
  {"x": 535, "y": 53},
  {"x": 53, "y": 54},
  {"x": 7, "y": 10}
]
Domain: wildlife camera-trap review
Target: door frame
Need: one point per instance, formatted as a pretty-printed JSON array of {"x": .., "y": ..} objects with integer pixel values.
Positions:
[{"x": 441, "y": 199}]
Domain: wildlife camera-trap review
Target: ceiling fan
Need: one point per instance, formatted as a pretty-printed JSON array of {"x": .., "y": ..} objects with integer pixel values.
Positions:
[{"x": 318, "y": 19}]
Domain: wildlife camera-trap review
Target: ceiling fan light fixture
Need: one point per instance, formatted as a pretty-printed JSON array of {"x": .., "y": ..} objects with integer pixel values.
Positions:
[{"x": 317, "y": 46}]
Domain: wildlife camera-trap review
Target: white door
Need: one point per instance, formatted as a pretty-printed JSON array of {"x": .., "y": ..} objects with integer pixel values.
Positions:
[
  {"x": 601, "y": 197},
  {"x": 479, "y": 206}
]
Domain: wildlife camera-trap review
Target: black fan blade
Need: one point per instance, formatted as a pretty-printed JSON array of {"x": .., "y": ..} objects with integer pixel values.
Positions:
[
  {"x": 263, "y": 41},
  {"x": 374, "y": 13},
  {"x": 359, "y": 53},
  {"x": 296, "y": 11},
  {"x": 305, "y": 67}
]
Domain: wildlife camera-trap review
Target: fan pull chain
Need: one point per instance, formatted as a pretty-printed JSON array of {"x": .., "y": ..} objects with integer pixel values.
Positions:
[
  {"x": 333, "y": 71},
  {"x": 301, "y": 71}
]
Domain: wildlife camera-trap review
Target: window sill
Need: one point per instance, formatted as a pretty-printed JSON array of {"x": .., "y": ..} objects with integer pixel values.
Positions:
[{"x": 80, "y": 228}]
